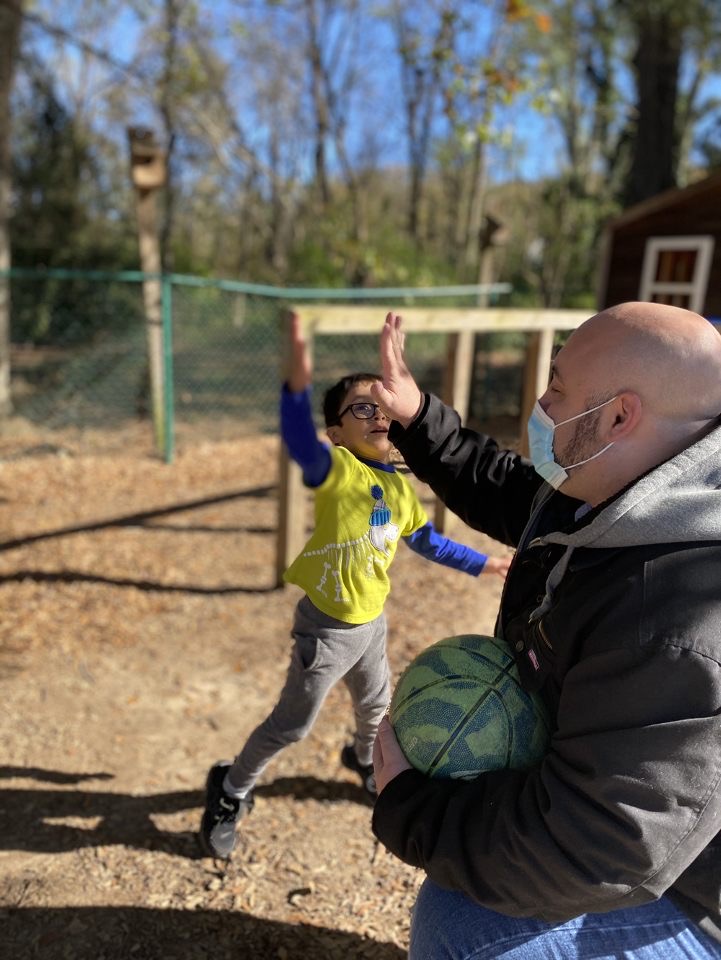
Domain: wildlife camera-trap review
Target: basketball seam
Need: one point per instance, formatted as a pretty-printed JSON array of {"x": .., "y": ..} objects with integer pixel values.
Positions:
[{"x": 469, "y": 713}]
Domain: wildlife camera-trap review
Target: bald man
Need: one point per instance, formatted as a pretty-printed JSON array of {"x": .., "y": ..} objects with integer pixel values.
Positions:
[{"x": 612, "y": 607}]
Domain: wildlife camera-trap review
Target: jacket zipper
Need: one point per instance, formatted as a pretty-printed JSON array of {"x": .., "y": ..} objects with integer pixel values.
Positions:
[{"x": 543, "y": 634}]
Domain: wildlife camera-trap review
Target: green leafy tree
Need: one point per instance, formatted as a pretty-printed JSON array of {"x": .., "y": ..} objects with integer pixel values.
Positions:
[
  {"x": 486, "y": 70},
  {"x": 579, "y": 91}
]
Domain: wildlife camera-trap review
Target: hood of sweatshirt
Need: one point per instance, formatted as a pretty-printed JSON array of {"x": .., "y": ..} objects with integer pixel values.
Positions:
[{"x": 678, "y": 501}]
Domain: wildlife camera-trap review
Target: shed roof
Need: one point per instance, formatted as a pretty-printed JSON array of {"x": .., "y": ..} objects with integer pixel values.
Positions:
[{"x": 669, "y": 198}]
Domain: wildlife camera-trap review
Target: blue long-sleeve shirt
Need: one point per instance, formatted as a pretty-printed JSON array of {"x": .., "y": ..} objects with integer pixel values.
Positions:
[{"x": 313, "y": 457}]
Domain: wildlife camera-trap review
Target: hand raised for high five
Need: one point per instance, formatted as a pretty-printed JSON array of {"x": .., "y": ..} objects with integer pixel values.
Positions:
[
  {"x": 398, "y": 396},
  {"x": 299, "y": 364}
]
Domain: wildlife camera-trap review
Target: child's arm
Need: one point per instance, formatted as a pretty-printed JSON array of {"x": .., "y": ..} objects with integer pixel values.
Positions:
[
  {"x": 296, "y": 417},
  {"x": 432, "y": 545}
]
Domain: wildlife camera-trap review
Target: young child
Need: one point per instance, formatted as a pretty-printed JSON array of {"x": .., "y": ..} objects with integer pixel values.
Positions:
[{"x": 363, "y": 507}]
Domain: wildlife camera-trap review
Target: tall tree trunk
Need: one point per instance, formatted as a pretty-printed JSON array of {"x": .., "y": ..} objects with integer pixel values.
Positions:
[
  {"x": 419, "y": 110},
  {"x": 280, "y": 218},
  {"x": 167, "y": 112},
  {"x": 656, "y": 62},
  {"x": 10, "y": 19},
  {"x": 476, "y": 212},
  {"x": 320, "y": 104},
  {"x": 421, "y": 76}
]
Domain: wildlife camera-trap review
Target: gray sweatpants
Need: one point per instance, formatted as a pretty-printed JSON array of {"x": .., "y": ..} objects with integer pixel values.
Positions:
[{"x": 325, "y": 650}]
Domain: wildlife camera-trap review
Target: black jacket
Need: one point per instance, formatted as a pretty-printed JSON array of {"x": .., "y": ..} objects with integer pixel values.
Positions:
[{"x": 616, "y": 619}]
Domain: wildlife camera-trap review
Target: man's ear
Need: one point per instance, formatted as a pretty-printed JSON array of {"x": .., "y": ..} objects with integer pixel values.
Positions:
[
  {"x": 627, "y": 412},
  {"x": 334, "y": 436}
]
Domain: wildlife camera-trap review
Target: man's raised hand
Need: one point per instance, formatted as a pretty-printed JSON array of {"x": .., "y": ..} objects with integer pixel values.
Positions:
[{"x": 398, "y": 396}]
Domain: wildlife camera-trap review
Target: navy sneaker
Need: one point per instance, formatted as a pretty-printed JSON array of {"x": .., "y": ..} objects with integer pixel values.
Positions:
[
  {"x": 349, "y": 759},
  {"x": 222, "y": 812}
]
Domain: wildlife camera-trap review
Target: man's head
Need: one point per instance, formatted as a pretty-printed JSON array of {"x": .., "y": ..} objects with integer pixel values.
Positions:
[
  {"x": 354, "y": 420},
  {"x": 654, "y": 373}
]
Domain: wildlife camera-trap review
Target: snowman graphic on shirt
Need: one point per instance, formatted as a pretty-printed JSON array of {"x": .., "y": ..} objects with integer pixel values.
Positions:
[{"x": 381, "y": 528}]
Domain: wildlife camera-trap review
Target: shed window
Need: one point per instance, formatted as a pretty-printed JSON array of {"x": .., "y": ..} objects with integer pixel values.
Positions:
[{"x": 676, "y": 270}]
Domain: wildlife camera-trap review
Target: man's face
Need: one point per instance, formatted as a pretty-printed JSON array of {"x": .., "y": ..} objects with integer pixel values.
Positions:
[
  {"x": 569, "y": 393},
  {"x": 365, "y": 438}
]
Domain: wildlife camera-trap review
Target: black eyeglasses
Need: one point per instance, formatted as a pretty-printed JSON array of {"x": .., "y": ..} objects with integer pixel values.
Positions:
[{"x": 360, "y": 410}]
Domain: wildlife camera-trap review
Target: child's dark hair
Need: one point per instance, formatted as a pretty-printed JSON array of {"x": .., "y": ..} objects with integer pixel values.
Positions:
[{"x": 335, "y": 395}]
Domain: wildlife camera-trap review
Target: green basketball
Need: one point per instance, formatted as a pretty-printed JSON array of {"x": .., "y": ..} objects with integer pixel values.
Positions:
[{"x": 459, "y": 710}]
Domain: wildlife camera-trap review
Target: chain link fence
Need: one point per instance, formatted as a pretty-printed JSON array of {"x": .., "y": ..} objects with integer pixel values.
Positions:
[{"x": 80, "y": 369}]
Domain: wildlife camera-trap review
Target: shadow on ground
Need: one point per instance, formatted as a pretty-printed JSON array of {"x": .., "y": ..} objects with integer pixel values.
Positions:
[
  {"x": 53, "y": 821},
  {"x": 135, "y": 933},
  {"x": 144, "y": 518}
]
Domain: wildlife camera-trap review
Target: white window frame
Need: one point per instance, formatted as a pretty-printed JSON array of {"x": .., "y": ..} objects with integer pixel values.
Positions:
[{"x": 696, "y": 289}]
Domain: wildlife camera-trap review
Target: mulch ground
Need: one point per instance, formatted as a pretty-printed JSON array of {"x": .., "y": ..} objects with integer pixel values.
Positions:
[{"x": 141, "y": 639}]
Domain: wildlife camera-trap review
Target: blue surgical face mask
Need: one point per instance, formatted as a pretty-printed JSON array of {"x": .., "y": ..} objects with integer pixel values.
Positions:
[{"x": 540, "y": 441}]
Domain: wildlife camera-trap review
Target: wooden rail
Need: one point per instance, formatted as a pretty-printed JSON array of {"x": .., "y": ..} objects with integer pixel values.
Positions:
[{"x": 460, "y": 326}]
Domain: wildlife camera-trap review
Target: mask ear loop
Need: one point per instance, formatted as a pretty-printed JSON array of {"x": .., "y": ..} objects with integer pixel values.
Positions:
[
  {"x": 570, "y": 466},
  {"x": 582, "y": 413}
]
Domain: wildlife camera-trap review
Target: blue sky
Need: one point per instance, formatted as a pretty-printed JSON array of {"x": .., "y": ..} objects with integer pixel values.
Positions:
[
  {"x": 537, "y": 146},
  {"x": 119, "y": 35}
]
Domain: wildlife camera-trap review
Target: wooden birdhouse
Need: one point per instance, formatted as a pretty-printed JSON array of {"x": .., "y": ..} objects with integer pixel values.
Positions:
[{"x": 147, "y": 159}]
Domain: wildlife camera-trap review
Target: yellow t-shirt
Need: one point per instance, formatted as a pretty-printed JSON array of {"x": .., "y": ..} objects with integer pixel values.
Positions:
[{"x": 360, "y": 513}]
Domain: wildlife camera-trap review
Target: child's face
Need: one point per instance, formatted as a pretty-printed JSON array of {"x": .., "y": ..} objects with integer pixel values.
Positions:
[{"x": 365, "y": 438}]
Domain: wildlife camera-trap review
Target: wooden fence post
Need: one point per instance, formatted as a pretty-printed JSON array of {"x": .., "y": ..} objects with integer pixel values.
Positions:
[
  {"x": 291, "y": 492},
  {"x": 148, "y": 171},
  {"x": 456, "y": 392}
]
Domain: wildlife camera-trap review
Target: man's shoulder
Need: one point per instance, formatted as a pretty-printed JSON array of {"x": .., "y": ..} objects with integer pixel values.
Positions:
[{"x": 681, "y": 595}]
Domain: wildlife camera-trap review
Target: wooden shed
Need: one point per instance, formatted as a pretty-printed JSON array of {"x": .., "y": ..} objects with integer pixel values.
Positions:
[{"x": 667, "y": 250}]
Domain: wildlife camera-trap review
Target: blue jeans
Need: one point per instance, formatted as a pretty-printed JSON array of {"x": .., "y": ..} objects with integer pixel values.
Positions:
[{"x": 449, "y": 926}]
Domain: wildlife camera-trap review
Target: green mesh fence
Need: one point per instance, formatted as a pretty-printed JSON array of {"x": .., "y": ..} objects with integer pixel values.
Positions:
[
  {"x": 79, "y": 357},
  {"x": 78, "y": 349},
  {"x": 226, "y": 365}
]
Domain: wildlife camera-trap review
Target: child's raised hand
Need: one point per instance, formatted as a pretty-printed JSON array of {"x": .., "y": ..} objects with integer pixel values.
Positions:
[
  {"x": 497, "y": 565},
  {"x": 398, "y": 396},
  {"x": 299, "y": 365}
]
